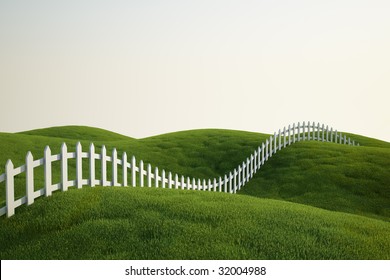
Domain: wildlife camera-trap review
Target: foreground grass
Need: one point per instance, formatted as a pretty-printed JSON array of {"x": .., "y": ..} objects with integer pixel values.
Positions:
[{"x": 143, "y": 223}]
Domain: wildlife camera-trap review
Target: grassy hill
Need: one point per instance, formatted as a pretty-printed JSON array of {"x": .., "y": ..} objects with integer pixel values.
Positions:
[{"x": 352, "y": 182}]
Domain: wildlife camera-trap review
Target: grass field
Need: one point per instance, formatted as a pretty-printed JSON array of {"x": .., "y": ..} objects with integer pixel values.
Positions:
[{"x": 309, "y": 201}]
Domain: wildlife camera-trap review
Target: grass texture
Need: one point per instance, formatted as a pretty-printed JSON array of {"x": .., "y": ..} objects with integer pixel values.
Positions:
[{"x": 312, "y": 200}]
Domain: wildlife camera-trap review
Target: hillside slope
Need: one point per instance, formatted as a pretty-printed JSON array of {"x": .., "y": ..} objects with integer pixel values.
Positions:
[{"x": 326, "y": 175}]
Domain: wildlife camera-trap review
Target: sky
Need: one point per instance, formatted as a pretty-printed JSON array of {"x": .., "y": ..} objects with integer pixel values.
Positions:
[{"x": 142, "y": 68}]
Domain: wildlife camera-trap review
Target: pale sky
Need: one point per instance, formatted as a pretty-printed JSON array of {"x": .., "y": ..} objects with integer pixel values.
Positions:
[{"x": 142, "y": 68}]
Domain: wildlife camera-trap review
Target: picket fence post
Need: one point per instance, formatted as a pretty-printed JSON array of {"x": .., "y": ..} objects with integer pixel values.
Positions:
[
  {"x": 252, "y": 169},
  {"x": 114, "y": 176},
  {"x": 141, "y": 173},
  {"x": 255, "y": 162},
  {"x": 104, "y": 166},
  {"x": 133, "y": 171},
  {"x": 47, "y": 170},
  {"x": 9, "y": 188},
  {"x": 235, "y": 181},
  {"x": 91, "y": 167},
  {"x": 79, "y": 170},
  {"x": 176, "y": 181},
  {"x": 331, "y": 134},
  {"x": 29, "y": 178},
  {"x": 124, "y": 169},
  {"x": 182, "y": 182},
  {"x": 318, "y": 132},
  {"x": 64, "y": 167},
  {"x": 275, "y": 142},
  {"x": 163, "y": 179},
  {"x": 156, "y": 177},
  {"x": 149, "y": 175},
  {"x": 299, "y": 131},
  {"x": 293, "y": 128},
  {"x": 170, "y": 180},
  {"x": 280, "y": 140},
  {"x": 327, "y": 133}
]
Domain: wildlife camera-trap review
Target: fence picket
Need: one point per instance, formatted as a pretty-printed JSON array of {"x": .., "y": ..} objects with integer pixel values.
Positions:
[
  {"x": 79, "y": 169},
  {"x": 170, "y": 180},
  {"x": 156, "y": 177},
  {"x": 9, "y": 188},
  {"x": 275, "y": 137},
  {"x": 141, "y": 173},
  {"x": 255, "y": 162},
  {"x": 30, "y": 178},
  {"x": 327, "y": 133},
  {"x": 235, "y": 181},
  {"x": 252, "y": 169},
  {"x": 114, "y": 176},
  {"x": 293, "y": 130},
  {"x": 331, "y": 134},
  {"x": 318, "y": 132},
  {"x": 262, "y": 153},
  {"x": 176, "y": 181},
  {"x": 299, "y": 132},
  {"x": 133, "y": 170},
  {"x": 124, "y": 169},
  {"x": 47, "y": 170},
  {"x": 163, "y": 178},
  {"x": 149, "y": 175},
  {"x": 104, "y": 166},
  {"x": 91, "y": 167}
]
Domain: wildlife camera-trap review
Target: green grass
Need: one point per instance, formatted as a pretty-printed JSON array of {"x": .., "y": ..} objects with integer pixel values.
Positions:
[
  {"x": 330, "y": 176},
  {"x": 143, "y": 223},
  {"x": 312, "y": 200}
]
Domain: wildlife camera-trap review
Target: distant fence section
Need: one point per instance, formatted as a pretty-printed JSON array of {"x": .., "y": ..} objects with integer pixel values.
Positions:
[{"x": 134, "y": 172}]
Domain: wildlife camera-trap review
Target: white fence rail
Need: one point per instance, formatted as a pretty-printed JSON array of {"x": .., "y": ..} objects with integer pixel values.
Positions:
[{"x": 230, "y": 183}]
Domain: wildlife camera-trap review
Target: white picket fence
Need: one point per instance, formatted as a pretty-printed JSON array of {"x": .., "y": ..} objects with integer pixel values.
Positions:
[{"x": 229, "y": 183}]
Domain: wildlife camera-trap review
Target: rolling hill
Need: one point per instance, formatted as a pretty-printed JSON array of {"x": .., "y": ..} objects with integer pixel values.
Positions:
[{"x": 313, "y": 200}]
